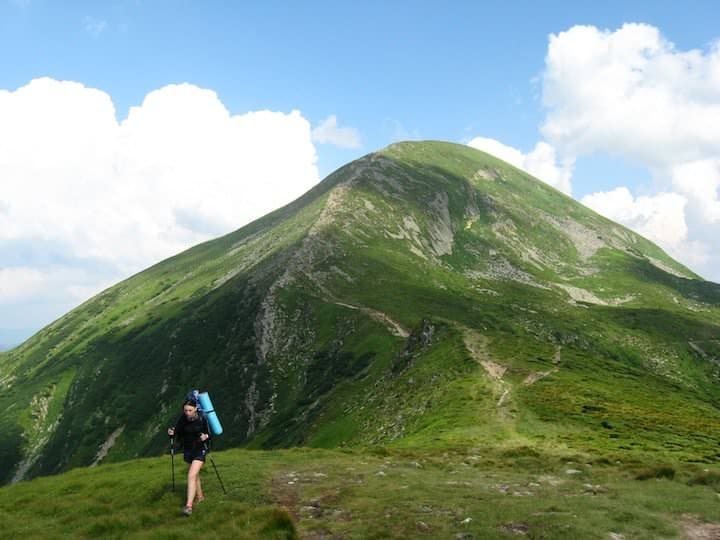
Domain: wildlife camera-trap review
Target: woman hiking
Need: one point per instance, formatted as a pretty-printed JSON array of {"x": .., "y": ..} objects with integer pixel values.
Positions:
[{"x": 193, "y": 428}]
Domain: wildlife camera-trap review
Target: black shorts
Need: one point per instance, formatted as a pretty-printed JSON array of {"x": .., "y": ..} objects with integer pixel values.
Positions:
[{"x": 195, "y": 454}]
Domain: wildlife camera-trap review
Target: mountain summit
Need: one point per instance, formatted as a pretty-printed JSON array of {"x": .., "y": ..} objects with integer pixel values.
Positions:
[{"x": 425, "y": 294}]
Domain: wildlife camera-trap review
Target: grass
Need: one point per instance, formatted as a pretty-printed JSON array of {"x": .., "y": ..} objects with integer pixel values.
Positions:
[
  {"x": 136, "y": 499},
  {"x": 287, "y": 323},
  {"x": 483, "y": 492}
]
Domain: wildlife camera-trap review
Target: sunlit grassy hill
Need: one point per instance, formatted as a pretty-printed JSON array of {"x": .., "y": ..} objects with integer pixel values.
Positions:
[
  {"x": 427, "y": 296},
  {"x": 495, "y": 492}
]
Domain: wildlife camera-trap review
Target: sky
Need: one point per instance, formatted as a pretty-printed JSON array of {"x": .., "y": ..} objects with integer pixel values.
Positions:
[{"x": 131, "y": 130}]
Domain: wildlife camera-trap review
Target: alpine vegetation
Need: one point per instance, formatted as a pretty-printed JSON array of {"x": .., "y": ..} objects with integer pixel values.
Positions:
[{"x": 426, "y": 296}]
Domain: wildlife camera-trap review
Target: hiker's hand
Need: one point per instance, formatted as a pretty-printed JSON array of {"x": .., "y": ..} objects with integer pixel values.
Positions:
[
  {"x": 204, "y": 437},
  {"x": 171, "y": 432}
]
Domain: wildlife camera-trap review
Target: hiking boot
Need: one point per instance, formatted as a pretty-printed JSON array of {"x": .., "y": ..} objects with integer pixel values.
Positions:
[{"x": 187, "y": 511}]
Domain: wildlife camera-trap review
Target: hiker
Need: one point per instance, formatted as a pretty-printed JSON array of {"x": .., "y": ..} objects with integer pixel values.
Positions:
[{"x": 193, "y": 428}]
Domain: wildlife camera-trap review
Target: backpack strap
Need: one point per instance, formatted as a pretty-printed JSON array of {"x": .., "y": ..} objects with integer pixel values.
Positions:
[{"x": 205, "y": 422}]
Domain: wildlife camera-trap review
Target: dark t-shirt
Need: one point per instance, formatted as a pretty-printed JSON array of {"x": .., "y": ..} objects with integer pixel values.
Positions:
[{"x": 189, "y": 431}]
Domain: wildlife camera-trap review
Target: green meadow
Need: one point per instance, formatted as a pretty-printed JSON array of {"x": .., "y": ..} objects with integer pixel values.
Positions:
[{"x": 483, "y": 492}]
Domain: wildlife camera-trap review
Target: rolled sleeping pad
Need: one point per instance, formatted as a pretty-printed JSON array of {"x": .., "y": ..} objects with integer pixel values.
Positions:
[{"x": 209, "y": 412}]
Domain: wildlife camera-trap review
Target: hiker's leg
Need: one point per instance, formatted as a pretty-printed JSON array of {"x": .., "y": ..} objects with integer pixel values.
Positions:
[
  {"x": 192, "y": 481},
  {"x": 199, "y": 495}
]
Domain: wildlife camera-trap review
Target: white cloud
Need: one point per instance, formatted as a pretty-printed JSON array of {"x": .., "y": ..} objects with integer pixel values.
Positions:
[
  {"x": 660, "y": 218},
  {"x": 700, "y": 180},
  {"x": 541, "y": 162},
  {"x": 179, "y": 170},
  {"x": 94, "y": 26},
  {"x": 630, "y": 93},
  {"x": 328, "y": 132},
  {"x": 18, "y": 282},
  {"x": 511, "y": 155}
]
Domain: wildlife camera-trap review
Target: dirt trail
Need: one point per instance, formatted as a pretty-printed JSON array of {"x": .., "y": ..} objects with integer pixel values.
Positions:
[
  {"x": 477, "y": 346},
  {"x": 535, "y": 377},
  {"x": 395, "y": 328},
  {"x": 694, "y": 529}
]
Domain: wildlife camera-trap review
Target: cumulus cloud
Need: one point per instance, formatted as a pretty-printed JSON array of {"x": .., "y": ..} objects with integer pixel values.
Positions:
[
  {"x": 660, "y": 218},
  {"x": 699, "y": 180},
  {"x": 123, "y": 195},
  {"x": 631, "y": 93},
  {"x": 328, "y": 132},
  {"x": 541, "y": 162}
]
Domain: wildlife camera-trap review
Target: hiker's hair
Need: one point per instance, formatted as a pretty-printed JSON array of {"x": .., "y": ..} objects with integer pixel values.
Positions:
[{"x": 191, "y": 402}]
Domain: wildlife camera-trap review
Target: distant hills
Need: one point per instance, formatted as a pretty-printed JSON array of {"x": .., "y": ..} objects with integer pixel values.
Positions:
[{"x": 426, "y": 295}]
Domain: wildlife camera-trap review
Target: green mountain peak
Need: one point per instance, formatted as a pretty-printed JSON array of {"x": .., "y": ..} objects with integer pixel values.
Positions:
[{"x": 425, "y": 294}]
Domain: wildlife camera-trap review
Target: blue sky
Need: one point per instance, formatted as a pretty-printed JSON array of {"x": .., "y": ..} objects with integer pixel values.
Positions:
[{"x": 359, "y": 76}]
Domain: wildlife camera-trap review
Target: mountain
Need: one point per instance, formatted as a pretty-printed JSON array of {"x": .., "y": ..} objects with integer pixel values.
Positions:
[{"x": 426, "y": 295}]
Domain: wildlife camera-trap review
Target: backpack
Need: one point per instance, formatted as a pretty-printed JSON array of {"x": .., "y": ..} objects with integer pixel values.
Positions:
[
  {"x": 207, "y": 412},
  {"x": 193, "y": 395}
]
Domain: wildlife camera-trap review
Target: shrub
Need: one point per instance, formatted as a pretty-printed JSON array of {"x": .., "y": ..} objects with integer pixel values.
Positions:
[
  {"x": 707, "y": 478},
  {"x": 660, "y": 471}
]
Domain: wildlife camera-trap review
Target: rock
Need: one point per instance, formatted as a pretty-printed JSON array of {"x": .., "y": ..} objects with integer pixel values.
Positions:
[
  {"x": 553, "y": 481},
  {"x": 312, "y": 511},
  {"x": 517, "y": 528}
]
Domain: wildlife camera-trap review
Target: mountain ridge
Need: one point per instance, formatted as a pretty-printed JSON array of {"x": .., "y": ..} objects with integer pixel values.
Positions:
[{"x": 370, "y": 311}]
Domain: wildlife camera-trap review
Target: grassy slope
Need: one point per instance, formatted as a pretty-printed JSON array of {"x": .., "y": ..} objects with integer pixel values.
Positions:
[
  {"x": 621, "y": 381},
  {"x": 483, "y": 492},
  {"x": 625, "y": 378},
  {"x": 139, "y": 342}
]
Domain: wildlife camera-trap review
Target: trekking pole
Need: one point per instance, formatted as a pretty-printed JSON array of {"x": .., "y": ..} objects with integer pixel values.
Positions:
[
  {"x": 218, "y": 475},
  {"x": 172, "y": 459},
  {"x": 216, "y": 471}
]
